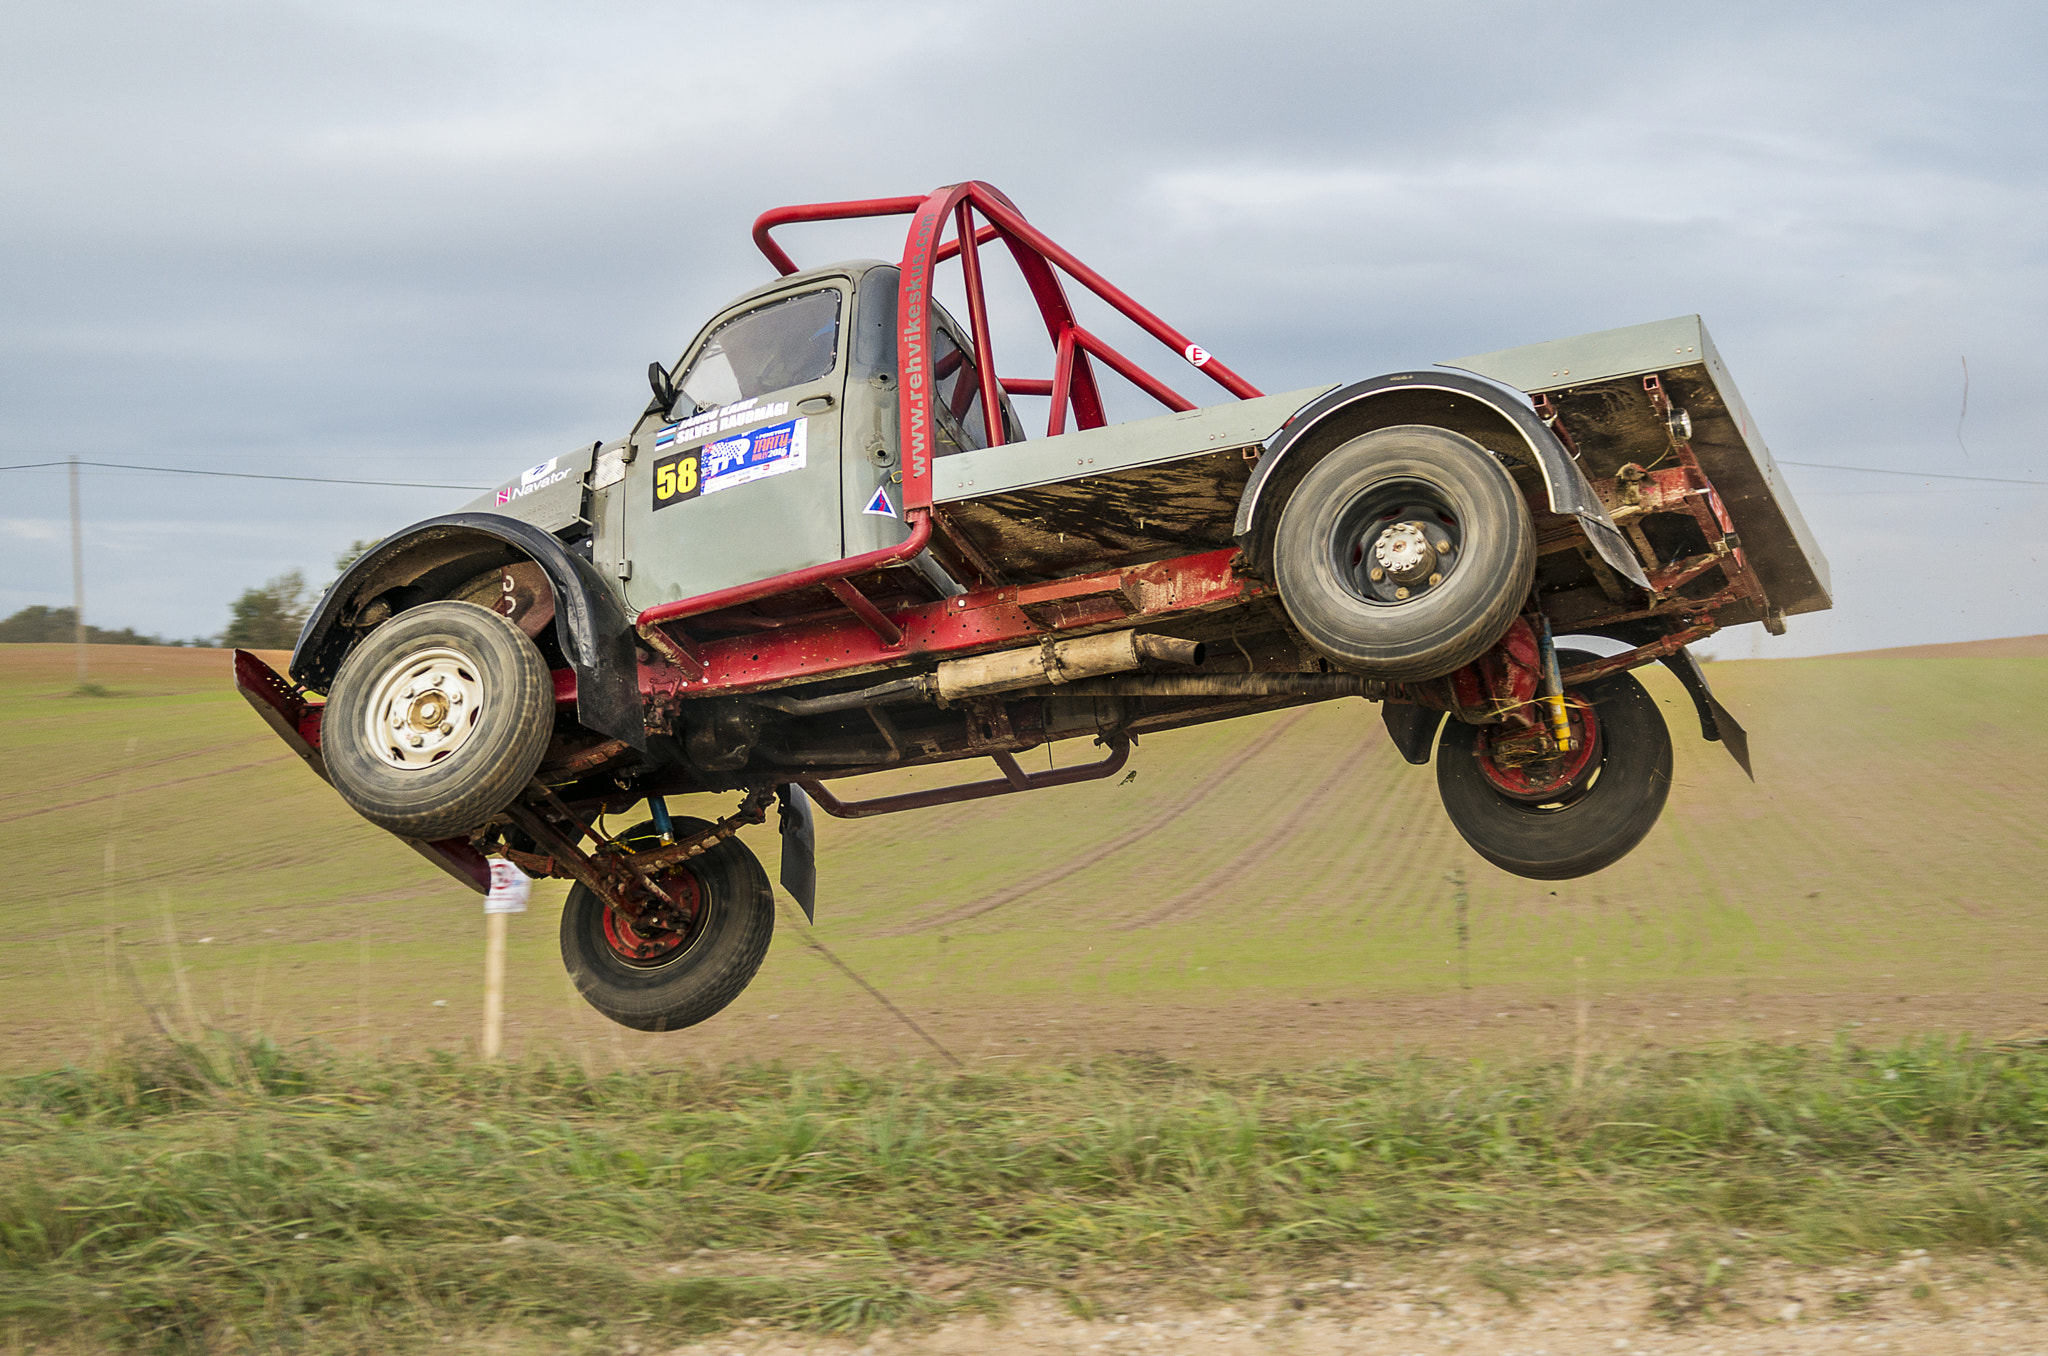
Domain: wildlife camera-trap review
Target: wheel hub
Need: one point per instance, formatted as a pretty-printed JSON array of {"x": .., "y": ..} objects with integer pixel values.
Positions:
[
  {"x": 1530, "y": 769},
  {"x": 1405, "y": 553},
  {"x": 659, "y": 933},
  {"x": 424, "y": 708},
  {"x": 1401, "y": 545}
]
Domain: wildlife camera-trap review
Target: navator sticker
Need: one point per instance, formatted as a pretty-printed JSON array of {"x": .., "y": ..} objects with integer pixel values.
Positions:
[
  {"x": 880, "y": 505},
  {"x": 534, "y": 478}
]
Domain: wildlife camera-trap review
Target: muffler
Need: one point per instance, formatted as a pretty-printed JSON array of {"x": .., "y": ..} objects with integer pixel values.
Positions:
[{"x": 1056, "y": 662}]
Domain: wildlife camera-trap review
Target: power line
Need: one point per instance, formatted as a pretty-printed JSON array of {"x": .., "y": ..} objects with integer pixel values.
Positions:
[
  {"x": 424, "y": 485},
  {"x": 244, "y": 475},
  {"x": 1916, "y": 475}
]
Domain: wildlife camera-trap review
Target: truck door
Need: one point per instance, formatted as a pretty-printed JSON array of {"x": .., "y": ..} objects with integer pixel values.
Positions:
[{"x": 743, "y": 483}]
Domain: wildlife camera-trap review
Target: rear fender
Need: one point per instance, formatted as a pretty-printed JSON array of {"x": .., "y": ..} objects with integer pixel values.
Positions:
[
  {"x": 1496, "y": 418},
  {"x": 427, "y": 560}
]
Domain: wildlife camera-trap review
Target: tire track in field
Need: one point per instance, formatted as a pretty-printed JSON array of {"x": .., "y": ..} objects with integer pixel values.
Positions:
[
  {"x": 89, "y": 778},
  {"x": 1012, "y": 893},
  {"x": 153, "y": 786},
  {"x": 1261, "y": 852}
]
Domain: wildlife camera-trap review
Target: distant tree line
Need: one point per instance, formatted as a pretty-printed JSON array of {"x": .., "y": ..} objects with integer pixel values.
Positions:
[
  {"x": 44, "y": 625},
  {"x": 267, "y": 617}
]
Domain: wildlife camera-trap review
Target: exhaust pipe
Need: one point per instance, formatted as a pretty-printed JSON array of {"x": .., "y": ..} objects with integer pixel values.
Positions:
[{"x": 1058, "y": 662}]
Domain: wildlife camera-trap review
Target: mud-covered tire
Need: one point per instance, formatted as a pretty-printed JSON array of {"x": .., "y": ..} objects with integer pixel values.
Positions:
[
  {"x": 478, "y": 742},
  {"x": 706, "y": 967},
  {"x": 1589, "y": 824},
  {"x": 1323, "y": 553}
]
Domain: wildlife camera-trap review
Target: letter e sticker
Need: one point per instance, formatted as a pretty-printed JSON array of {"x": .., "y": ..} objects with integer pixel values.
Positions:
[{"x": 676, "y": 479}]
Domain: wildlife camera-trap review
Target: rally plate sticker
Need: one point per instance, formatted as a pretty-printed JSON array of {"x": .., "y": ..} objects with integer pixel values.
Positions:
[{"x": 752, "y": 455}]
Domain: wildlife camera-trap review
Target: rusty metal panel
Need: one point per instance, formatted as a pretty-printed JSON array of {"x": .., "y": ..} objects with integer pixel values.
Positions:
[{"x": 1595, "y": 381}]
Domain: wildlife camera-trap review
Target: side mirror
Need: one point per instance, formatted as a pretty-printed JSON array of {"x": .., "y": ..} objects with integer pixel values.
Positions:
[{"x": 664, "y": 389}]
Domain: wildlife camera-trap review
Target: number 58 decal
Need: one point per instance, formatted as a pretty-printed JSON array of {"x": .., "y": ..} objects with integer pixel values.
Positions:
[{"x": 675, "y": 479}]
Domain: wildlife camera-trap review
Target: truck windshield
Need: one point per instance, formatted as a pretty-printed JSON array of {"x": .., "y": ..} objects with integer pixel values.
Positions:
[{"x": 770, "y": 348}]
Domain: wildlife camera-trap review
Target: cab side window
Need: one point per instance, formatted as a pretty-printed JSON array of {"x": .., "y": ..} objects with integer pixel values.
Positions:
[
  {"x": 773, "y": 347},
  {"x": 956, "y": 396}
]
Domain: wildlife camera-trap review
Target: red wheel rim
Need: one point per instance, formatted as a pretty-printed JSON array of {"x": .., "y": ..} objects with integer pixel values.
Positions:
[
  {"x": 648, "y": 943},
  {"x": 1552, "y": 779}
]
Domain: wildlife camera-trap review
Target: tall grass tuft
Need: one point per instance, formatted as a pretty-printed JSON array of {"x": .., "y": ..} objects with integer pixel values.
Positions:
[{"x": 232, "y": 1192}]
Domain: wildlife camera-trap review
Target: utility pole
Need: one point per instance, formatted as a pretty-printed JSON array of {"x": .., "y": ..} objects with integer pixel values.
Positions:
[{"x": 77, "y": 574}]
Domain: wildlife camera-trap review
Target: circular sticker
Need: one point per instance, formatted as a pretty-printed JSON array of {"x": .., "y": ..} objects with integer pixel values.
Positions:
[{"x": 1195, "y": 354}]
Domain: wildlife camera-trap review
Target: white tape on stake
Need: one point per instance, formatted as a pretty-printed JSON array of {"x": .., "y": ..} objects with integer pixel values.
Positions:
[{"x": 509, "y": 891}]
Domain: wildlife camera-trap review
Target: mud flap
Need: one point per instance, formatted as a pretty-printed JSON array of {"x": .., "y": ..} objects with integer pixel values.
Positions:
[
  {"x": 1412, "y": 728},
  {"x": 799, "y": 848},
  {"x": 1715, "y": 722}
]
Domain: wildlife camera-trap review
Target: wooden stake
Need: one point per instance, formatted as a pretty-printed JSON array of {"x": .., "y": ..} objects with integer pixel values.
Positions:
[
  {"x": 77, "y": 576},
  {"x": 494, "y": 982}
]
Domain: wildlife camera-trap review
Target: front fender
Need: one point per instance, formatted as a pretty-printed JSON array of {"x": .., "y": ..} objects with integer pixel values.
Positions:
[
  {"x": 1498, "y": 419},
  {"x": 424, "y": 561}
]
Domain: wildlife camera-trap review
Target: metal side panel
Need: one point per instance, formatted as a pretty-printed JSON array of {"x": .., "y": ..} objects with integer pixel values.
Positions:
[
  {"x": 1098, "y": 451},
  {"x": 1596, "y": 383},
  {"x": 550, "y": 495}
]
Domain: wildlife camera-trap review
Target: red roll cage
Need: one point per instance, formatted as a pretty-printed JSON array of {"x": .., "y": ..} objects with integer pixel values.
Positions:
[
  {"x": 944, "y": 226},
  {"x": 1041, "y": 261}
]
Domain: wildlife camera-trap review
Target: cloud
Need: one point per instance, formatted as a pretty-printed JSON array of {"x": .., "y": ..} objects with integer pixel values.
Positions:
[{"x": 438, "y": 241}]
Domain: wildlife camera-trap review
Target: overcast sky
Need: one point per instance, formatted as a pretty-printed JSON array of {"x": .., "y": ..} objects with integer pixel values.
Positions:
[{"x": 438, "y": 243}]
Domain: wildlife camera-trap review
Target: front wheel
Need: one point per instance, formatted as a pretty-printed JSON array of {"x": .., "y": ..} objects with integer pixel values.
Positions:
[
  {"x": 1568, "y": 816},
  {"x": 437, "y": 720},
  {"x": 672, "y": 968}
]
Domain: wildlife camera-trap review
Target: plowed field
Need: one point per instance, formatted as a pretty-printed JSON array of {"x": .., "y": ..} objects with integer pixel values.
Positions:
[{"x": 1272, "y": 890}]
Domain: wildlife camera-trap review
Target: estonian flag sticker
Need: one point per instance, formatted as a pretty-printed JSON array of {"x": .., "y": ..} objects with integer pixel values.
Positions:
[{"x": 880, "y": 505}]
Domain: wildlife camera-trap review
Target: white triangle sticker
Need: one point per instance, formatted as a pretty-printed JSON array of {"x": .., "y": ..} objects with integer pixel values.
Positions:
[{"x": 880, "y": 505}]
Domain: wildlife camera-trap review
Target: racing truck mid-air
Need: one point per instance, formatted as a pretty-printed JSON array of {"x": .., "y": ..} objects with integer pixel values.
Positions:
[{"x": 827, "y": 547}]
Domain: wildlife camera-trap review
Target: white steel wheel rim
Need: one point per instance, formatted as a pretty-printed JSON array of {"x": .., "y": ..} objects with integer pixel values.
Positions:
[{"x": 424, "y": 708}]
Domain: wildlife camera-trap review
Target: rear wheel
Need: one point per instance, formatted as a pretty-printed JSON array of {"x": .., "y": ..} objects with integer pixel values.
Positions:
[
  {"x": 437, "y": 720},
  {"x": 1405, "y": 553},
  {"x": 1569, "y": 816},
  {"x": 672, "y": 968}
]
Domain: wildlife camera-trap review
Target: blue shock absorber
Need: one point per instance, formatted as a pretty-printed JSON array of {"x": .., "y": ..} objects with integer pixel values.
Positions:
[{"x": 661, "y": 823}]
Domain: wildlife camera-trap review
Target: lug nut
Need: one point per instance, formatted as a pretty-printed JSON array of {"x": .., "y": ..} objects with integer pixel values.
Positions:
[
  {"x": 1400, "y": 593},
  {"x": 455, "y": 698},
  {"x": 1435, "y": 579},
  {"x": 440, "y": 678},
  {"x": 1443, "y": 546},
  {"x": 447, "y": 729},
  {"x": 1378, "y": 574},
  {"x": 417, "y": 740}
]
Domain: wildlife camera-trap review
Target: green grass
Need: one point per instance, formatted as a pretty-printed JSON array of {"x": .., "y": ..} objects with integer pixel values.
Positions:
[{"x": 235, "y": 1195}]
